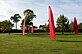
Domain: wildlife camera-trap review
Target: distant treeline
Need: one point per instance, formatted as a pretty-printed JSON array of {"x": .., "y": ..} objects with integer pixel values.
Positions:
[{"x": 35, "y": 31}]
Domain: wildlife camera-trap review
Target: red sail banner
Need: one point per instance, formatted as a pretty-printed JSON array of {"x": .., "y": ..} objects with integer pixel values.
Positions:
[
  {"x": 23, "y": 29},
  {"x": 75, "y": 25},
  {"x": 51, "y": 24},
  {"x": 29, "y": 30},
  {"x": 32, "y": 29}
]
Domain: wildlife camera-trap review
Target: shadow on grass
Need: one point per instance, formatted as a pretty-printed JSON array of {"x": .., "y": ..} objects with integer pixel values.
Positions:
[
  {"x": 69, "y": 34},
  {"x": 67, "y": 41}
]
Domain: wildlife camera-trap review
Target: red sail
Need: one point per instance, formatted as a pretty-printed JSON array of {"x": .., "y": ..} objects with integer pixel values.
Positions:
[
  {"x": 32, "y": 29},
  {"x": 51, "y": 24},
  {"x": 75, "y": 25},
  {"x": 29, "y": 30},
  {"x": 23, "y": 29}
]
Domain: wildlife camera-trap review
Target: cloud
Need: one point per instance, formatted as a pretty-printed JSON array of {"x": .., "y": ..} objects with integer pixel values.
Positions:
[{"x": 6, "y": 9}]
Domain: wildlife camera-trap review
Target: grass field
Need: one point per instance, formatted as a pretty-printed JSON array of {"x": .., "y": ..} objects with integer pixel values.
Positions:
[{"x": 39, "y": 43}]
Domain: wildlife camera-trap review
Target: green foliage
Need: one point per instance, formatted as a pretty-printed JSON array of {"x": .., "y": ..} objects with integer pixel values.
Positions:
[
  {"x": 16, "y": 18},
  {"x": 80, "y": 26},
  {"x": 35, "y": 27},
  {"x": 29, "y": 14},
  {"x": 28, "y": 22},
  {"x": 62, "y": 23},
  {"x": 71, "y": 27},
  {"x": 1, "y": 25},
  {"x": 44, "y": 27},
  {"x": 40, "y": 27},
  {"x": 6, "y": 25}
]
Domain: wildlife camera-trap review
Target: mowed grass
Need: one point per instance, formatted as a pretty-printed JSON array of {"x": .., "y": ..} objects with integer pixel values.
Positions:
[{"x": 40, "y": 43}]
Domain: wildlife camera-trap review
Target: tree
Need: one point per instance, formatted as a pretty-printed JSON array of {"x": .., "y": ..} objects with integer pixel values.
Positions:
[
  {"x": 1, "y": 25},
  {"x": 35, "y": 27},
  {"x": 29, "y": 14},
  {"x": 44, "y": 27},
  {"x": 40, "y": 27},
  {"x": 71, "y": 26},
  {"x": 80, "y": 26},
  {"x": 16, "y": 18},
  {"x": 6, "y": 25},
  {"x": 62, "y": 23}
]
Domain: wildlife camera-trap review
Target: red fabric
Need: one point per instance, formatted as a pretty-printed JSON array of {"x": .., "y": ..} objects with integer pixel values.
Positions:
[
  {"x": 23, "y": 30},
  {"x": 32, "y": 29},
  {"x": 51, "y": 24},
  {"x": 29, "y": 30},
  {"x": 75, "y": 25}
]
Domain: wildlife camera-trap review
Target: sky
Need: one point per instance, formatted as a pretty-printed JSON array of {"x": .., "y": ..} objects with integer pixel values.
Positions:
[{"x": 70, "y": 8}]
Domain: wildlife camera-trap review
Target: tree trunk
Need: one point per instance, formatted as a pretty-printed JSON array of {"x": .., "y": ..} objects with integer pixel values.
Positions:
[
  {"x": 16, "y": 26},
  {"x": 9, "y": 32},
  {"x": 62, "y": 30}
]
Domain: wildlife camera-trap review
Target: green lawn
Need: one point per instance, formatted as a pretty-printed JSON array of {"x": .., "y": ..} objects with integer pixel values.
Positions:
[{"x": 39, "y": 43}]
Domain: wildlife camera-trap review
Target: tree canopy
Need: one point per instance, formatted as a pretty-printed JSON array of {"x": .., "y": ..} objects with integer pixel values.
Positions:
[
  {"x": 16, "y": 18},
  {"x": 80, "y": 26},
  {"x": 29, "y": 14},
  {"x": 6, "y": 25},
  {"x": 62, "y": 23}
]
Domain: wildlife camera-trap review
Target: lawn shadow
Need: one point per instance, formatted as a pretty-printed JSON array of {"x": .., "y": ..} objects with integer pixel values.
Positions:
[
  {"x": 69, "y": 34},
  {"x": 67, "y": 41}
]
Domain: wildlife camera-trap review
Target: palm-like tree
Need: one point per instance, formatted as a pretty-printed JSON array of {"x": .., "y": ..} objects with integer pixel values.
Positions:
[{"x": 16, "y": 18}]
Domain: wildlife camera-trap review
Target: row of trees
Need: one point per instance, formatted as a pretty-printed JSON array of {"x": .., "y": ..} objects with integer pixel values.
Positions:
[
  {"x": 29, "y": 14},
  {"x": 62, "y": 22},
  {"x": 71, "y": 27},
  {"x": 62, "y": 25}
]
